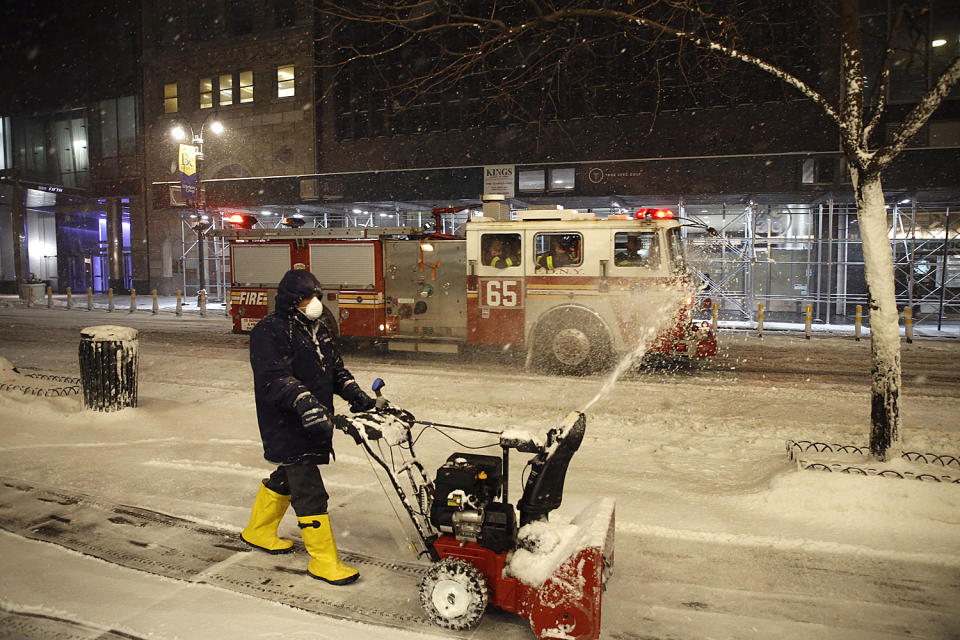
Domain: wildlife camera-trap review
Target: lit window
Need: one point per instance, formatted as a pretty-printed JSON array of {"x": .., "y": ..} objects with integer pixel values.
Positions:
[
  {"x": 285, "y": 88},
  {"x": 562, "y": 178},
  {"x": 226, "y": 89},
  {"x": 246, "y": 86},
  {"x": 531, "y": 180},
  {"x": 206, "y": 93},
  {"x": 170, "y": 98}
]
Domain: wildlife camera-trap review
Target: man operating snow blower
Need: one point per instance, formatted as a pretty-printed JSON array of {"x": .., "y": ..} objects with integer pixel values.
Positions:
[{"x": 296, "y": 370}]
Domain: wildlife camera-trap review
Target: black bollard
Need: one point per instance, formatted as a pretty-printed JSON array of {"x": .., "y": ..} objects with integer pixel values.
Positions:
[{"x": 108, "y": 367}]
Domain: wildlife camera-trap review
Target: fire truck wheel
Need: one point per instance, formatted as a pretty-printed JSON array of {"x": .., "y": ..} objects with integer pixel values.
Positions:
[
  {"x": 571, "y": 342},
  {"x": 453, "y": 593}
]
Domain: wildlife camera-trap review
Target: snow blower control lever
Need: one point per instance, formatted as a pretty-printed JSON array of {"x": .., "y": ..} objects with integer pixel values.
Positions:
[{"x": 481, "y": 552}]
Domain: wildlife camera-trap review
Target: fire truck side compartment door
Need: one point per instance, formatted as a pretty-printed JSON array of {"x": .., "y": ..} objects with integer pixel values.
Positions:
[
  {"x": 425, "y": 289},
  {"x": 259, "y": 263},
  {"x": 348, "y": 265}
]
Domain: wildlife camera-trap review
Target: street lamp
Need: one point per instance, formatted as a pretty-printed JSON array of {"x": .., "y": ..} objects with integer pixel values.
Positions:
[{"x": 200, "y": 224}]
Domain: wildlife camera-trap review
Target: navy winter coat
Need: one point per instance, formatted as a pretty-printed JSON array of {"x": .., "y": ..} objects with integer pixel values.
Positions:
[{"x": 291, "y": 354}]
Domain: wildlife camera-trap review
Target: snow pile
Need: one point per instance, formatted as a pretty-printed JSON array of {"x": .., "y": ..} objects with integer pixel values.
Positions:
[
  {"x": 109, "y": 333},
  {"x": 544, "y": 546},
  {"x": 8, "y": 372}
]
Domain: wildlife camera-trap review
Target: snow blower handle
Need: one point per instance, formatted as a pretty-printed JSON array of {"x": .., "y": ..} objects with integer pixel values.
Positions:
[
  {"x": 381, "y": 401},
  {"x": 383, "y": 405}
]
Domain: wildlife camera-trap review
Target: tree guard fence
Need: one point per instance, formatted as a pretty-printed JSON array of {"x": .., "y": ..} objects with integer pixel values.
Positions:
[
  {"x": 42, "y": 385},
  {"x": 853, "y": 459},
  {"x": 108, "y": 367}
]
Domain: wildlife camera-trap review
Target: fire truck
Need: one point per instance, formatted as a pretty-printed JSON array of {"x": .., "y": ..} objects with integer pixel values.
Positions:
[{"x": 570, "y": 289}]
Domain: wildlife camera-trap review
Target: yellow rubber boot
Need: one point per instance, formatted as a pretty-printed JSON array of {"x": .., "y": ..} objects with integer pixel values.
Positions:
[
  {"x": 324, "y": 560},
  {"x": 268, "y": 510}
]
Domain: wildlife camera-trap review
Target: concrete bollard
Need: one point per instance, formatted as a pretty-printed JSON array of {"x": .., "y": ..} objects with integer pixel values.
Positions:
[
  {"x": 760, "y": 320},
  {"x": 49, "y": 297},
  {"x": 908, "y": 324},
  {"x": 69, "y": 298},
  {"x": 858, "y": 323},
  {"x": 133, "y": 300},
  {"x": 715, "y": 316},
  {"x": 203, "y": 304},
  {"x": 89, "y": 298},
  {"x": 108, "y": 367},
  {"x": 808, "y": 326},
  {"x": 110, "y": 299},
  {"x": 156, "y": 303},
  {"x": 179, "y": 303}
]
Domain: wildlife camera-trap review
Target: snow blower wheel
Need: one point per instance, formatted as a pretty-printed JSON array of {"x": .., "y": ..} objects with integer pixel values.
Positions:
[{"x": 453, "y": 593}]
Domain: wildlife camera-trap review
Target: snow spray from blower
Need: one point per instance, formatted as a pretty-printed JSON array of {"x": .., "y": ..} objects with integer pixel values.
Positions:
[{"x": 651, "y": 326}]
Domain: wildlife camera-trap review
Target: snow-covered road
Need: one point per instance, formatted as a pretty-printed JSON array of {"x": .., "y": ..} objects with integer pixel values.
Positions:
[{"x": 717, "y": 535}]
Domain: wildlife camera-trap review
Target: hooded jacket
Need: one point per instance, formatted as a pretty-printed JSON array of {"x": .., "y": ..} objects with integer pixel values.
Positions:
[{"x": 291, "y": 354}]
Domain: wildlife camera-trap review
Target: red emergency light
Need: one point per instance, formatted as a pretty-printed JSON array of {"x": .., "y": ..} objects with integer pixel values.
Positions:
[
  {"x": 241, "y": 221},
  {"x": 653, "y": 214}
]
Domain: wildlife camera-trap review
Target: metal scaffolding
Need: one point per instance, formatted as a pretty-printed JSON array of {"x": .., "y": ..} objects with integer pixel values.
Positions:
[{"x": 786, "y": 256}]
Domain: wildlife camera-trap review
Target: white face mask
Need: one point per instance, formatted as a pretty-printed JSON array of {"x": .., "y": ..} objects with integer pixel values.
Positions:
[{"x": 314, "y": 309}]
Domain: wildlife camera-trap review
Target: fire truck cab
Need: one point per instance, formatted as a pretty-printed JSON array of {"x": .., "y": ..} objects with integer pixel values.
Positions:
[{"x": 570, "y": 289}]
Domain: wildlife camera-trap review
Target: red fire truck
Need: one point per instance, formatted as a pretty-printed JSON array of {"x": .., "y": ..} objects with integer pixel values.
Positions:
[{"x": 570, "y": 289}]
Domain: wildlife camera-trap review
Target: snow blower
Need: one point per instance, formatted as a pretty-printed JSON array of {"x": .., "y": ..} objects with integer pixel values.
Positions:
[{"x": 482, "y": 553}]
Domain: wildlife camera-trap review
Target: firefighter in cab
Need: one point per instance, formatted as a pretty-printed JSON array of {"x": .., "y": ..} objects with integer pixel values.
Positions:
[
  {"x": 562, "y": 253},
  {"x": 503, "y": 255},
  {"x": 297, "y": 369}
]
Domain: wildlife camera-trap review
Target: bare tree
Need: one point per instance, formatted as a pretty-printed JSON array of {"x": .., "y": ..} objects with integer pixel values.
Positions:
[{"x": 511, "y": 49}]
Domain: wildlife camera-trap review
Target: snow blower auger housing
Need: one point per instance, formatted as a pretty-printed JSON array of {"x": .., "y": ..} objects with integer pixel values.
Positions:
[{"x": 482, "y": 553}]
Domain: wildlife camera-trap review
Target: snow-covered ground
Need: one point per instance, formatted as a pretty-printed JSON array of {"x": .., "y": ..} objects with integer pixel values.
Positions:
[{"x": 718, "y": 534}]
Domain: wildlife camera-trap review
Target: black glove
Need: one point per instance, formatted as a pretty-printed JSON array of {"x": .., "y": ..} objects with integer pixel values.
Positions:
[
  {"x": 359, "y": 401},
  {"x": 313, "y": 416}
]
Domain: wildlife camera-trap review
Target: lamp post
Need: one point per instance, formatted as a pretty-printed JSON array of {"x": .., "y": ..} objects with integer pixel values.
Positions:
[{"x": 201, "y": 223}]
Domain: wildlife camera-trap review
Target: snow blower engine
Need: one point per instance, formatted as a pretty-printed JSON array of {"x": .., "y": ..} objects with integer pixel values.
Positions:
[{"x": 482, "y": 553}]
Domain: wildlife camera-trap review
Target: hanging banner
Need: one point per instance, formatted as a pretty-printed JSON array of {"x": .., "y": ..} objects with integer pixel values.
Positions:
[{"x": 188, "y": 173}]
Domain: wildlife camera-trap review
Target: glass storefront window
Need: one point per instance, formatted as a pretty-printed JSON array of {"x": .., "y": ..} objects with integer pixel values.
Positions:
[
  {"x": 531, "y": 180},
  {"x": 562, "y": 178}
]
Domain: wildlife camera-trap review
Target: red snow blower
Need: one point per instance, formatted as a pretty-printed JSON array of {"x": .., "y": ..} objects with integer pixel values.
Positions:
[{"x": 551, "y": 574}]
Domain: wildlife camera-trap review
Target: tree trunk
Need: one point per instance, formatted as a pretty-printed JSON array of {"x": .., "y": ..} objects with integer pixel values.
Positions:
[{"x": 884, "y": 319}]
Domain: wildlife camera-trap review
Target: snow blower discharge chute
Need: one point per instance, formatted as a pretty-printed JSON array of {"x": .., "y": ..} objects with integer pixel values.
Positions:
[{"x": 482, "y": 554}]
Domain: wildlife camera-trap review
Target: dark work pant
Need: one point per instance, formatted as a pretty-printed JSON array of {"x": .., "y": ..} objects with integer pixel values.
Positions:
[{"x": 304, "y": 485}]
